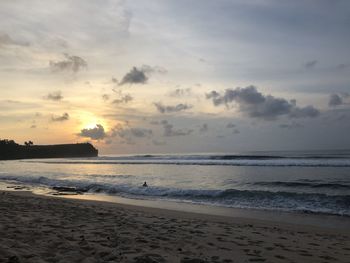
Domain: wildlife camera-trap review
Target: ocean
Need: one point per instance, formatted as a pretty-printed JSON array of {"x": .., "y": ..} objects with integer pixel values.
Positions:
[{"x": 302, "y": 182}]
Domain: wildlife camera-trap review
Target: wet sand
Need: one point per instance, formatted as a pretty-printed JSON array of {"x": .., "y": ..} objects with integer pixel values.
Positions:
[{"x": 50, "y": 229}]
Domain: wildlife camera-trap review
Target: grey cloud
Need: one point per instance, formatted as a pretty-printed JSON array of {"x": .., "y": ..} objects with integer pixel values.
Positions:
[
  {"x": 134, "y": 76},
  {"x": 230, "y": 125},
  {"x": 169, "y": 130},
  {"x": 70, "y": 64},
  {"x": 140, "y": 75},
  {"x": 64, "y": 117},
  {"x": 337, "y": 99},
  {"x": 180, "y": 92},
  {"x": 127, "y": 133},
  {"x": 256, "y": 105},
  {"x": 123, "y": 99},
  {"x": 55, "y": 96},
  {"x": 311, "y": 64},
  {"x": 293, "y": 125},
  {"x": 96, "y": 133},
  {"x": 105, "y": 97},
  {"x": 158, "y": 143},
  {"x": 154, "y": 122},
  {"x": 236, "y": 131},
  {"x": 149, "y": 69},
  {"x": 140, "y": 132},
  {"x": 342, "y": 66},
  {"x": 204, "y": 128},
  {"x": 308, "y": 111},
  {"x": 170, "y": 109},
  {"x": 6, "y": 40}
]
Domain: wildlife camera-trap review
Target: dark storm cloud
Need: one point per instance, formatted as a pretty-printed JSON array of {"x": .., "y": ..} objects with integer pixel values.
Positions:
[
  {"x": 55, "y": 96},
  {"x": 6, "y": 40},
  {"x": 336, "y": 99},
  {"x": 171, "y": 109},
  {"x": 311, "y": 64},
  {"x": 70, "y": 64},
  {"x": 96, "y": 133},
  {"x": 64, "y": 117},
  {"x": 169, "y": 130},
  {"x": 256, "y": 105},
  {"x": 140, "y": 75}
]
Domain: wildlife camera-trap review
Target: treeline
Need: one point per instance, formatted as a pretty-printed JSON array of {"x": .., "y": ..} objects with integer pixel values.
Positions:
[{"x": 10, "y": 150}]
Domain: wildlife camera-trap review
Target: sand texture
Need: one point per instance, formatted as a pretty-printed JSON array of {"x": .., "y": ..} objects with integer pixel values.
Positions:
[{"x": 43, "y": 229}]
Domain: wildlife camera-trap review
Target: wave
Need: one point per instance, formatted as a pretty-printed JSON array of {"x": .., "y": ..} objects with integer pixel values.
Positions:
[
  {"x": 305, "y": 184},
  {"x": 282, "y": 200},
  {"x": 239, "y": 161}
]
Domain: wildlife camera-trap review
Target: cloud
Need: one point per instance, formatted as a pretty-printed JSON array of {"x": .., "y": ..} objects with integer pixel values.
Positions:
[
  {"x": 293, "y": 125},
  {"x": 311, "y": 64},
  {"x": 230, "y": 125},
  {"x": 307, "y": 111},
  {"x": 158, "y": 143},
  {"x": 134, "y": 76},
  {"x": 236, "y": 131},
  {"x": 6, "y": 40},
  {"x": 170, "y": 109},
  {"x": 342, "y": 66},
  {"x": 154, "y": 122},
  {"x": 55, "y": 96},
  {"x": 128, "y": 133},
  {"x": 256, "y": 105},
  {"x": 123, "y": 99},
  {"x": 105, "y": 97},
  {"x": 181, "y": 93},
  {"x": 169, "y": 130},
  {"x": 64, "y": 117},
  {"x": 70, "y": 64},
  {"x": 96, "y": 133},
  {"x": 203, "y": 128},
  {"x": 140, "y": 75},
  {"x": 337, "y": 99}
]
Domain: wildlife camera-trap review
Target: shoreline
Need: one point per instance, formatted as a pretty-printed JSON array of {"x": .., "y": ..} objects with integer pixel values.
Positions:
[
  {"x": 94, "y": 231},
  {"x": 274, "y": 216}
]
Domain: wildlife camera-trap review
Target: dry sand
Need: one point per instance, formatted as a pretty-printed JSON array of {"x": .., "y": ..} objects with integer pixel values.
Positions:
[{"x": 47, "y": 229}]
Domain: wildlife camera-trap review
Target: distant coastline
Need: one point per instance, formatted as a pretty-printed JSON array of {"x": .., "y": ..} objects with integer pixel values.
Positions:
[{"x": 10, "y": 150}]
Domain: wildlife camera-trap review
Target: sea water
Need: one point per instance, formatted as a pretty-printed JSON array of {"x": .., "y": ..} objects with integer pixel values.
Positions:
[{"x": 308, "y": 182}]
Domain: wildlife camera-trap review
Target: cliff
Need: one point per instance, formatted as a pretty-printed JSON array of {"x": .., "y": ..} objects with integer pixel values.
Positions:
[{"x": 9, "y": 150}]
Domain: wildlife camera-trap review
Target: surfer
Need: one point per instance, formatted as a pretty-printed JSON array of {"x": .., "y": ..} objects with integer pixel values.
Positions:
[{"x": 145, "y": 184}]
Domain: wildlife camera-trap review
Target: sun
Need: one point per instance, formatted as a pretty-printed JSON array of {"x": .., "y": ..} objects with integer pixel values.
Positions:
[{"x": 89, "y": 121}]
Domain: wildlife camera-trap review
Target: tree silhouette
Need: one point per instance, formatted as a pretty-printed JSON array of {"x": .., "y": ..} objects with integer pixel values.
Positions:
[{"x": 28, "y": 143}]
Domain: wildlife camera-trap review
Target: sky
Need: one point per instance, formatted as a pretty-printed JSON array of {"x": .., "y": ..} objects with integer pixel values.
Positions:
[{"x": 183, "y": 76}]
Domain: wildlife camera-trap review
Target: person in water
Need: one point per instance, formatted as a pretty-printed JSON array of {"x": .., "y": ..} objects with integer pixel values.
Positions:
[{"x": 145, "y": 184}]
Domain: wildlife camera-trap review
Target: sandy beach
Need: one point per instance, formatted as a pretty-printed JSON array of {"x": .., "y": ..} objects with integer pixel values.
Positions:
[{"x": 48, "y": 229}]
